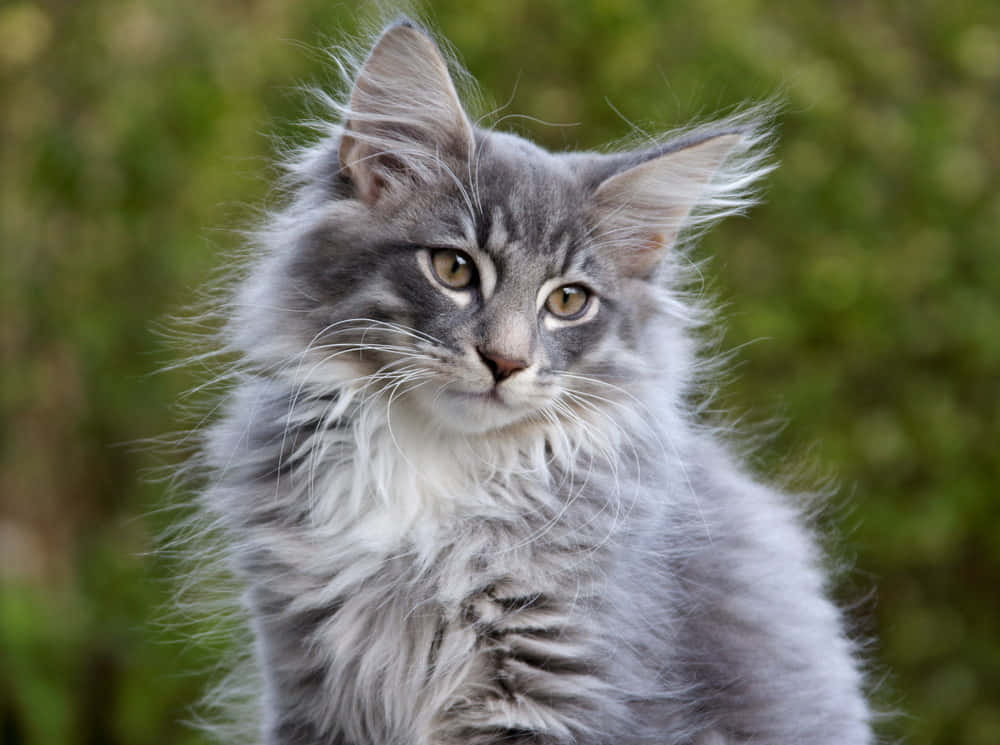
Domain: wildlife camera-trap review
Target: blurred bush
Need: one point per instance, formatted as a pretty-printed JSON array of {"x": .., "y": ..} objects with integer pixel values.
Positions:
[{"x": 131, "y": 139}]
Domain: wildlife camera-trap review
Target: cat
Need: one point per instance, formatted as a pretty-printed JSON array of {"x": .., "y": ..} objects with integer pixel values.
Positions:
[{"x": 460, "y": 474}]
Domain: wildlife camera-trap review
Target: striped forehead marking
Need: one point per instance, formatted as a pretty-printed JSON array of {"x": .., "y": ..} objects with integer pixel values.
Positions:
[
  {"x": 484, "y": 263},
  {"x": 497, "y": 237}
]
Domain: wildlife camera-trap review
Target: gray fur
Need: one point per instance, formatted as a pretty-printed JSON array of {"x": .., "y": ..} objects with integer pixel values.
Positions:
[{"x": 565, "y": 556}]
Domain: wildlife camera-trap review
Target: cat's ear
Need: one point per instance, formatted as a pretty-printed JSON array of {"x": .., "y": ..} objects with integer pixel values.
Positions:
[
  {"x": 640, "y": 209},
  {"x": 404, "y": 115}
]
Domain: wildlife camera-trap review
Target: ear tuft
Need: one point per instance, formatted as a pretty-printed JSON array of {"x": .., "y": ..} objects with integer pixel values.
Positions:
[
  {"x": 404, "y": 114},
  {"x": 652, "y": 197}
]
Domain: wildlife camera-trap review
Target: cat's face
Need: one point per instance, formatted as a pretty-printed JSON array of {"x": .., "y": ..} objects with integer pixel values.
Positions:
[
  {"x": 469, "y": 273},
  {"x": 485, "y": 300}
]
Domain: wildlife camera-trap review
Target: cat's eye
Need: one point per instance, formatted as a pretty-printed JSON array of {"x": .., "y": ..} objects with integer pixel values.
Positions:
[
  {"x": 568, "y": 302},
  {"x": 453, "y": 268}
]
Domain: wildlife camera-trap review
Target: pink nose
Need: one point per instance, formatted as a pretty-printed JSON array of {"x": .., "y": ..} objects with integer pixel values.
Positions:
[{"x": 501, "y": 367}]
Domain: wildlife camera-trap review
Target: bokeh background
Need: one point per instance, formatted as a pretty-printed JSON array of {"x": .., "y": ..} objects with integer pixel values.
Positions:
[{"x": 136, "y": 136}]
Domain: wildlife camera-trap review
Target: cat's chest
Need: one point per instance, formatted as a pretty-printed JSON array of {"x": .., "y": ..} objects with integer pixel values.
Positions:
[
  {"x": 407, "y": 489},
  {"x": 435, "y": 523},
  {"x": 429, "y": 638}
]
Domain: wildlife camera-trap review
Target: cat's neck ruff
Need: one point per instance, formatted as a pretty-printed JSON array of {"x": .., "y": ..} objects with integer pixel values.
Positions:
[{"x": 386, "y": 475}]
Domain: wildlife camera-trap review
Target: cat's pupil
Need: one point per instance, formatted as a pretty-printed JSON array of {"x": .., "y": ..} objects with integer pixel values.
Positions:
[
  {"x": 567, "y": 301},
  {"x": 453, "y": 268}
]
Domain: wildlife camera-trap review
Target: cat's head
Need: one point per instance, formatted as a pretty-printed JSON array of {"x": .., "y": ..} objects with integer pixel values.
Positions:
[{"x": 471, "y": 274}]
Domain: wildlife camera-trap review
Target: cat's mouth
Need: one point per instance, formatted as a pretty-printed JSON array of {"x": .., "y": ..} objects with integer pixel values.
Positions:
[
  {"x": 491, "y": 395},
  {"x": 478, "y": 406}
]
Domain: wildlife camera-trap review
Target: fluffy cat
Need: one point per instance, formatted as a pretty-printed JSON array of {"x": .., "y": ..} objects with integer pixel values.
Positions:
[{"x": 460, "y": 476}]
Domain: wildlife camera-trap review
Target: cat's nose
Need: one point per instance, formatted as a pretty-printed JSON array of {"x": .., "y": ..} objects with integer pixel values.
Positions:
[{"x": 501, "y": 367}]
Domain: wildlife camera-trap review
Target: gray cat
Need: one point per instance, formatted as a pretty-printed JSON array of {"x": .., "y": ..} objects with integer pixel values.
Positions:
[{"x": 460, "y": 475}]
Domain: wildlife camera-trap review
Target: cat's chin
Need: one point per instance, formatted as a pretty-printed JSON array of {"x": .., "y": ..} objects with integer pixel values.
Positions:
[{"x": 473, "y": 413}]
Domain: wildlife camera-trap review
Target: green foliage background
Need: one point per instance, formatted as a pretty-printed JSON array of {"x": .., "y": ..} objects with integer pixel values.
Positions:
[{"x": 132, "y": 139}]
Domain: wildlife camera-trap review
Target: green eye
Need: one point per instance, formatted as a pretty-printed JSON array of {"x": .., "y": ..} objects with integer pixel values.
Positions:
[
  {"x": 568, "y": 301},
  {"x": 453, "y": 269}
]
